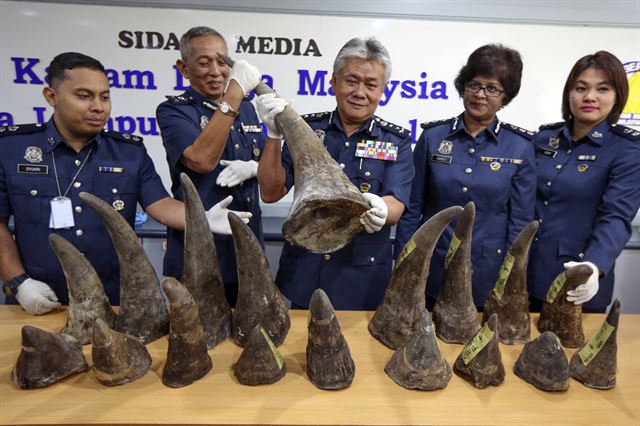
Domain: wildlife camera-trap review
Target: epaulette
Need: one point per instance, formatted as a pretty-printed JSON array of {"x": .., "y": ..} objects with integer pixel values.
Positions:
[
  {"x": 551, "y": 125},
  {"x": 316, "y": 116},
  {"x": 518, "y": 130},
  {"x": 124, "y": 137},
  {"x": 626, "y": 132},
  {"x": 393, "y": 128},
  {"x": 180, "y": 100},
  {"x": 21, "y": 129},
  {"x": 428, "y": 124}
]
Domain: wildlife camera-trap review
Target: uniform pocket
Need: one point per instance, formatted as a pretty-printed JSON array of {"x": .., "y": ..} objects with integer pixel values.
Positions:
[{"x": 572, "y": 248}]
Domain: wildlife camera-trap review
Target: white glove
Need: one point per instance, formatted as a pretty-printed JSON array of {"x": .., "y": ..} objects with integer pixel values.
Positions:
[
  {"x": 218, "y": 219},
  {"x": 269, "y": 105},
  {"x": 36, "y": 297},
  {"x": 584, "y": 292},
  {"x": 374, "y": 218},
  {"x": 246, "y": 75},
  {"x": 236, "y": 172}
]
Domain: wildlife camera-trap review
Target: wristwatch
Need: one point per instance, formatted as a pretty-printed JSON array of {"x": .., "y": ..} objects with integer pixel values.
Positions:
[
  {"x": 226, "y": 109},
  {"x": 10, "y": 288}
]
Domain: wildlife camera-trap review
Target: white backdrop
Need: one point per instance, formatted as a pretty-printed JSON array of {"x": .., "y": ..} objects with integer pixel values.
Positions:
[{"x": 425, "y": 54}]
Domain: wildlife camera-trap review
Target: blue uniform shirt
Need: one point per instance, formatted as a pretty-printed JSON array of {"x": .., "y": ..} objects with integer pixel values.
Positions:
[
  {"x": 588, "y": 192},
  {"x": 181, "y": 119},
  {"x": 356, "y": 276},
  {"x": 495, "y": 170},
  {"x": 117, "y": 169}
]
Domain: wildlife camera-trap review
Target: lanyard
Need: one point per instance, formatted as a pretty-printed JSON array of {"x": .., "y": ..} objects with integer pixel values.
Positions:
[{"x": 55, "y": 171}]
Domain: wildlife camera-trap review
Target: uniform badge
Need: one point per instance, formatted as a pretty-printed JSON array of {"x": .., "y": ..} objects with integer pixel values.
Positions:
[
  {"x": 377, "y": 150},
  {"x": 365, "y": 187},
  {"x": 256, "y": 152},
  {"x": 554, "y": 142},
  {"x": 445, "y": 147},
  {"x": 582, "y": 168},
  {"x": 586, "y": 158},
  {"x": 321, "y": 134},
  {"x": 33, "y": 154},
  {"x": 13, "y": 128},
  {"x": 203, "y": 122},
  {"x": 495, "y": 166},
  {"x": 118, "y": 205},
  {"x": 597, "y": 135}
]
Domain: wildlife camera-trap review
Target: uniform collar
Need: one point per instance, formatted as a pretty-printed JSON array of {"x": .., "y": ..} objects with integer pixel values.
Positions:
[
  {"x": 493, "y": 129},
  {"x": 370, "y": 126},
  {"x": 597, "y": 135},
  {"x": 53, "y": 138}
]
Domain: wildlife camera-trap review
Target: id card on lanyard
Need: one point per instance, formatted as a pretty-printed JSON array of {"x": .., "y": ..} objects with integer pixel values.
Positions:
[{"x": 61, "y": 213}]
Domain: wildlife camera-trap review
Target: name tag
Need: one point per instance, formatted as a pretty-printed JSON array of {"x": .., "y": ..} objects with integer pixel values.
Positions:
[
  {"x": 107, "y": 169},
  {"x": 446, "y": 159},
  {"x": 377, "y": 150},
  {"x": 251, "y": 128},
  {"x": 548, "y": 152},
  {"x": 501, "y": 160},
  {"x": 33, "y": 169}
]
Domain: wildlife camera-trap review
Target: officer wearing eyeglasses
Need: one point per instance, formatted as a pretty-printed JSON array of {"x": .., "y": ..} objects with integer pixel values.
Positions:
[{"x": 475, "y": 157}]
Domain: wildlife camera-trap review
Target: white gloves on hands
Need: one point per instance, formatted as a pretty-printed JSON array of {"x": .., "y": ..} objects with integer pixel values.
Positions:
[
  {"x": 584, "y": 292},
  {"x": 246, "y": 75},
  {"x": 36, "y": 297},
  {"x": 268, "y": 106},
  {"x": 374, "y": 218},
  {"x": 218, "y": 218},
  {"x": 236, "y": 172}
]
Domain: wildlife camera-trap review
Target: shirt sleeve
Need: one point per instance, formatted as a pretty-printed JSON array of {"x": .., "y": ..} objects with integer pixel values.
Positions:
[
  {"x": 620, "y": 202},
  {"x": 523, "y": 195},
  {"x": 410, "y": 220},
  {"x": 150, "y": 187},
  {"x": 178, "y": 131},
  {"x": 399, "y": 174}
]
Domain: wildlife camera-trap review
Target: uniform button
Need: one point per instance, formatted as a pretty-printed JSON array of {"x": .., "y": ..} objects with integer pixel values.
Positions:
[
  {"x": 77, "y": 162},
  {"x": 373, "y": 259},
  {"x": 342, "y": 165},
  {"x": 77, "y": 184},
  {"x": 465, "y": 189},
  {"x": 346, "y": 144},
  {"x": 539, "y": 221},
  {"x": 367, "y": 173},
  {"x": 472, "y": 151},
  {"x": 114, "y": 190},
  {"x": 548, "y": 183},
  {"x": 568, "y": 151},
  {"x": 581, "y": 255},
  {"x": 237, "y": 146},
  {"x": 79, "y": 232},
  {"x": 33, "y": 192},
  {"x": 78, "y": 209},
  {"x": 248, "y": 199},
  {"x": 545, "y": 202},
  {"x": 499, "y": 251},
  {"x": 558, "y": 166},
  {"x": 468, "y": 170},
  {"x": 255, "y": 141},
  {"x": 327, "y": 257},
  {"x": 535, "y": 238}
]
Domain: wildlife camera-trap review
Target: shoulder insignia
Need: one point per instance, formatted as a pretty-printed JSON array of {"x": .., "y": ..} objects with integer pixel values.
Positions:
[
  {"x": 518, "y": 130},
  {"x": 428, "y": 124},
  {"x": 552, "y": 125},
  {"x": 21, "y": 129},
  {"x": 180, "y": 99},
  {"x": 124, "y": 137},
  {"x": 316, "y": 116},
  {"x": 626, "y": 132},
  {"x": 393, "y": 128}
]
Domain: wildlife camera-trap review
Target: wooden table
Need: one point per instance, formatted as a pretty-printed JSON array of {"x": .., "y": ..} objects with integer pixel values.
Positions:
[{"x": 373, "y": 398}]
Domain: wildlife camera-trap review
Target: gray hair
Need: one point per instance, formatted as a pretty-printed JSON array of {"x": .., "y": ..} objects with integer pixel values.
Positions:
[
  {"x": 368, "y": 49},
  {"x": 185, "y": 40}
]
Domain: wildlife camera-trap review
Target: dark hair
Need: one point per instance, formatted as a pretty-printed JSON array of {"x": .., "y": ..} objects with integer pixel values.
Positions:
[
  {"x": 69, "y": 61},
  {"x": 185, "y": 45},
  {"x": 493, "y": 61},
  {"x": 613, "y": 69}
]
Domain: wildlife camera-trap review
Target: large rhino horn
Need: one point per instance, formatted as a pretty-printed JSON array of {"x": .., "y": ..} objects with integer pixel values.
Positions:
[
  {"x": 201, "y": 273},
  {"x": 87, "y": 300},
  {"x": 142, "y": 313},
  {"x": 259, "y": 300},
  {"x": 399, "y": 313}
]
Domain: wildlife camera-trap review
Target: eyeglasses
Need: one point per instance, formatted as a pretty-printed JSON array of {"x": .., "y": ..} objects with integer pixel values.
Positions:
[{"x": 489, "y": 90}]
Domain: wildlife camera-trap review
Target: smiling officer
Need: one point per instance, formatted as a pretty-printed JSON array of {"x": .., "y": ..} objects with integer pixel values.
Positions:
[{"x": 43, "y": 169}]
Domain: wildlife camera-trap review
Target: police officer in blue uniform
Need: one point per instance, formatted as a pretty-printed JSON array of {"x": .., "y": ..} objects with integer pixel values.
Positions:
[
  {"x": 588, "y": 183},
  {"x": 44, "y": 167},
  {"x": 212, "y": 133},
  {"x": 475, "y": 157},
  {"x": 356, "y": 276}
]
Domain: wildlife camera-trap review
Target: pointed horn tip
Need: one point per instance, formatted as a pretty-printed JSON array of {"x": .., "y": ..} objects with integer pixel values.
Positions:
[
  {"x": 470, "y": 207},
  {"x": 320, "y": 306},
  {"x": 615, "y": 304},
  {"x": 100, "y": 331},
  {"x": 579, "y": 271},
  {"x": 172, "y": 287},
  {"x": 185, "y": 179},
  {"x": 30, "y": 334},
  {"x": 493, "y": 322}
]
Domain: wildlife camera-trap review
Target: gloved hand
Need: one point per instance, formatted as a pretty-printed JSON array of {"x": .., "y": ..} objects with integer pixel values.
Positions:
[
  {"x": 246, "y": 75},
  {"x": 236, "y": 172},
  {"x": 36, "y": 297},
  {"x": 268, "y": 106},
  {"x": 218, "y": 219},
  {"x": 374, "y": 218},
  {"x": 584, "y": 292}
]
